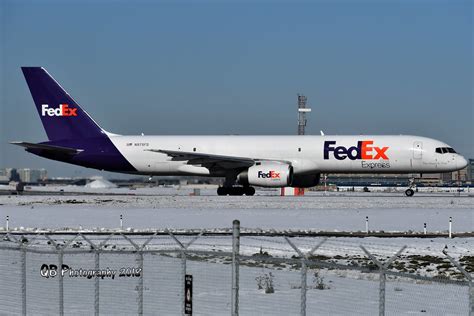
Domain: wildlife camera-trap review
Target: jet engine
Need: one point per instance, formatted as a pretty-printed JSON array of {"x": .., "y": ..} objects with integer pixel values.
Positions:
[{"x": 267, "y": 175}]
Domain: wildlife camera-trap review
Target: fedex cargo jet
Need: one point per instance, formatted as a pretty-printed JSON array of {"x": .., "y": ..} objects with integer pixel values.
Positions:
[{"x": 244, "y": 161}]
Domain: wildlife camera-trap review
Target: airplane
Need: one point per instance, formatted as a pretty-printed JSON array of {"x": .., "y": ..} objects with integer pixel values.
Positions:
[{"x": 244, "y": 161}]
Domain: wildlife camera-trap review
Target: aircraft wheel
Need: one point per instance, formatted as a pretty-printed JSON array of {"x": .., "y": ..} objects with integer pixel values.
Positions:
[
  {"x": 249, "y": 191},
  {"x": 222, "y": 191},
  {"x": 409, "y": 192}
]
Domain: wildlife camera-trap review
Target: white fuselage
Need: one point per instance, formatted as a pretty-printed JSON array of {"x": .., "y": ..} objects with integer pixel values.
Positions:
[
  {"x": 307, "y": 154},
  {"x": 267, "y": 161}
]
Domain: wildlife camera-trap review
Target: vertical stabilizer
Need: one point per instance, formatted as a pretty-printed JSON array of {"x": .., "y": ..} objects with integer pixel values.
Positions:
[{"x": 61, "y": 116}]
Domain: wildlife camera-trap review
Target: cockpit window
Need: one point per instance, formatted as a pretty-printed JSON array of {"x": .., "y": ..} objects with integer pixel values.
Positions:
[{"x": 445, "y": 150}]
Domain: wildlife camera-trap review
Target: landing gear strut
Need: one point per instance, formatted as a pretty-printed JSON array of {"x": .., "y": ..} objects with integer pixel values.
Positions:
[
  {"x": 229, "y": 187},
  {"x": 410, "y": 191}
]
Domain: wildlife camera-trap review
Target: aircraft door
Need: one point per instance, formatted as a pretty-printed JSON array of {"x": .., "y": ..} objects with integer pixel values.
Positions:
[{"x": 417, "y": 150}]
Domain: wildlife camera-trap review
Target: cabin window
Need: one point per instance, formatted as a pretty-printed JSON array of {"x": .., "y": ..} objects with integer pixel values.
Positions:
[
  {"x": 194, "y": 149},
  {"x": 299, "y": 148},
  {"x": 258, "y": 163}
]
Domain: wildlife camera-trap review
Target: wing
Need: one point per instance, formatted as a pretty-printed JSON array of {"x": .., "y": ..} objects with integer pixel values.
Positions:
[
  {"x": 48, "y": 148},
  {"x": 208, "y": 160}
]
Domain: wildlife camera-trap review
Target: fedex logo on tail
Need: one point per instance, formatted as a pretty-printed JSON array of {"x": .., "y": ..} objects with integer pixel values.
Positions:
[
  {"x": 62, "y": 110},
  {"x": 269, "y": 175},
  {"x": 364, "y": 150}
]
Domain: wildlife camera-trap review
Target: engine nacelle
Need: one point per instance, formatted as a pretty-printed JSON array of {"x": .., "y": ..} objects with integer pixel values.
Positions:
[
  {"x": 267, "y": 175},
  {"x": 305, "y": 180}
]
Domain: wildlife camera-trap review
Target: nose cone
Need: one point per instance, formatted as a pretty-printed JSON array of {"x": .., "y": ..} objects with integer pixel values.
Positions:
[{"x": 461, "y": 162}]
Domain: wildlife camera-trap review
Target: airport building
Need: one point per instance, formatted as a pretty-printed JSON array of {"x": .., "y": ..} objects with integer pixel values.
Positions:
[
  {"x": 28, "y": 175},
  {"x": 8, "y": 174},
  {"x": 463, "y": 176},
  {"x": 366, "y": 179},
  {"x": 470, "y": 168}
]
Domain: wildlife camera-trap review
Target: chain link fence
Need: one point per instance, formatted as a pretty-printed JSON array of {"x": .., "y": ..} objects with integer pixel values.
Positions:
[{"x": 183, "y": 273}]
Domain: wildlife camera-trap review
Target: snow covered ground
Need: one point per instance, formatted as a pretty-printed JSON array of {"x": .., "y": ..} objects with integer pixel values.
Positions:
[
  {"x": 345, "y": 292},
  {"x": 348, "y": 292},
  {"x": 176, "y": 208}
]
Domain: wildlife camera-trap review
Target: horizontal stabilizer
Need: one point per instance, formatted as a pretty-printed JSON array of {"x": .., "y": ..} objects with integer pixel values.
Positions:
[{"x": 51, "y": 148}]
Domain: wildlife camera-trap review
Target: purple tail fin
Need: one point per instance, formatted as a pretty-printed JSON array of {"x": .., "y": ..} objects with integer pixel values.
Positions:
[{"x": 61, "y": 116}]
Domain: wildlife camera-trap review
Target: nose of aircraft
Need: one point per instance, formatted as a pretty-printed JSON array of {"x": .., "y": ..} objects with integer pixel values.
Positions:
[{"x": 461, "y": 162}]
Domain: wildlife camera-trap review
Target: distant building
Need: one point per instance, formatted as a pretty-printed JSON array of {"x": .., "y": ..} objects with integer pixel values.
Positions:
[
  {"x": 368, "y": 179},
  {"x": 470, "y": 170},
  {"x": 9, "y": 174},
  {"x": 429, "y": 179},
  {"x": 462, "y": 176},
  {"x": 456, "y": 176},
  {"x": 32, "y": 175},
  {"x": 4, "y": 179},
  {"x": 447, "y": 177}
]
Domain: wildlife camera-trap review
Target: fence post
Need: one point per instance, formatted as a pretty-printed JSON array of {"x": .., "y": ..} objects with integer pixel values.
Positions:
[
  {"x": 60, "y": 249},
  {"x": 235, "y": 267},
  {"x": 97, "y": 250},
  {"x": 382, "y": 284},
  {"x": 23, "y": 280},
  {"x": 96, "y": 284},
  {"x": 183, "y": 274},
  {"x": 471, "y": 298},
  {"x": 183, "y": 248},
  {"x": 304, "y": 270},
  {"x": 382, "y": 269},
  {"x": 140, "y": 282},
  {"x": 469, "y": 279},
  {"x": 304, "y": 277},
  {"x": 22, "y": 244},
  {"x": 61, "y": 282},
  {"x": 139, "y": 250}
]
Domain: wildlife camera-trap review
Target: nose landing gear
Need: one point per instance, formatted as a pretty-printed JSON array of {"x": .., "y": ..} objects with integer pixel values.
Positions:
[{"x": 410, "y": 192}]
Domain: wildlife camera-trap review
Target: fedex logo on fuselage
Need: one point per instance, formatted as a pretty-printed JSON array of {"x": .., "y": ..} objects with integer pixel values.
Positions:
[
  {"x": 62, "y": 110},
  {"x": 364, "y": 150},
  {"x": 270, "y": 175}
]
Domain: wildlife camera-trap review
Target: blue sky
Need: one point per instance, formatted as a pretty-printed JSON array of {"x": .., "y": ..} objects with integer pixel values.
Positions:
[{"x": 367, "y": 67}]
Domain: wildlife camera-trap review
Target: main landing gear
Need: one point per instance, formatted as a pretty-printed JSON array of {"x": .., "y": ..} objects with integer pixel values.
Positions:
[
  {"x": 229, "y": 187},
  {"x": 410, "y": 191},
  {"x": 235, "y": 191}
]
